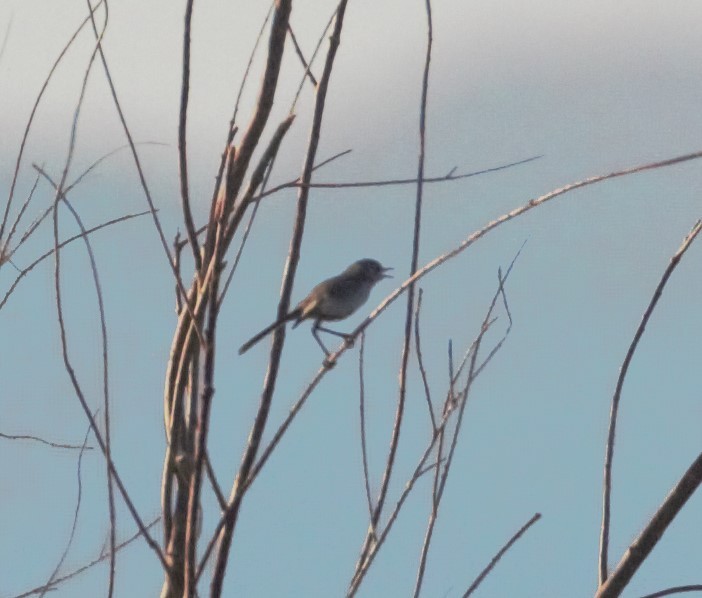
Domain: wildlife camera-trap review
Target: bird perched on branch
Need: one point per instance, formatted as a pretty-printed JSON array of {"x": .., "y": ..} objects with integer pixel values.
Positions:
[{"x": 334, "y": 299}]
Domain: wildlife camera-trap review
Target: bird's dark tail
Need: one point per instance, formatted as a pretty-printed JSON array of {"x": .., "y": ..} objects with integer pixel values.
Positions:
[{"x": 268, "y": 329}]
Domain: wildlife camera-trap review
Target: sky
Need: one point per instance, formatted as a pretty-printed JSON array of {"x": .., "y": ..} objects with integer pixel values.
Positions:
[{"x": 591, "y": 88}]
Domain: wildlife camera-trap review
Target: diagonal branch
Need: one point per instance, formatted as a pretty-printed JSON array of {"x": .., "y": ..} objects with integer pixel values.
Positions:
[
  {"x": 500, "y": 554},
  {"x": 639, "y": 550}
]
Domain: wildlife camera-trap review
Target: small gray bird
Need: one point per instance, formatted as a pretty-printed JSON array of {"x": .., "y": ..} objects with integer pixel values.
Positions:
[{"x": 334, "y": 299}]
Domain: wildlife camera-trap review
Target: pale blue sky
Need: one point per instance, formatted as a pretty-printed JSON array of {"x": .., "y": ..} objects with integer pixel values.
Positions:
[{"x": 593, "y": 88}]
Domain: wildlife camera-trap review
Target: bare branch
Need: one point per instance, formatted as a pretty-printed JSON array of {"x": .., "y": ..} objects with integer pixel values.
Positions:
[
  {"x": 675, "y": 590},
  {"x": 182, "y": 138},
  {"x": 59, "y": 308},
  {"x": 46, "y": 442},
  {"x": 404, "y": 359},
  {"x": 420, "y": 361},
  {"x": 105, "y": 374},
  {"x": 314, "y": 55},
  {"x": 137, "y": 163},
  {"x": 609, "y": 453},
  {"x": 364, "y": 450},
  {"x": 300, "y": 55},
  {"x": 241, "y": 482},
  {"x": 61, "y": 245},
  {"x": 91, "y": 564},
  {"x": 500, "y": 554},
  {"x": 53, "y": 575},
  {"x": 33, "y": 113},
  {"x": 652, "y": 533},
  {"x": 384, "y": 183},
  {"x": 5, "y": 251},
  {"x": 6, "y": 36}
]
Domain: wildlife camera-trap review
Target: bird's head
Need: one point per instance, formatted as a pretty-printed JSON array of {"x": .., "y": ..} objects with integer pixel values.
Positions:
[{"x": 369, "y": 269}]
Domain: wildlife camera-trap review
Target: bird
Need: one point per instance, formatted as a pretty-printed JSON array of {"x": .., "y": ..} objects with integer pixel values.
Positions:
[{"x": 331, "y": 300}]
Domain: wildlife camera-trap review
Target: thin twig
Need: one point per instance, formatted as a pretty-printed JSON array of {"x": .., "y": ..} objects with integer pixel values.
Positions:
[
  {"x": 409, "y": 312},
  {"x": 137, "y": 163},
  {"x": 301, "y": 56},
  {"x": 37, "y": 222},
  {"x": 437, "y": 438},
  {"x": 105, "y": 374},
  {"x": 420, "y": 361},
  {"x": 97, "y": 561},
  {"x": 675, "y": 590},
  {"x": 61, "y": 245},
  {"x": 59, "y": 309},
  {"x": 6, "y": 253},
  {"x": 28, "y": 126},
  {"x": 182, "y": 138},
  {"x": 75, "y": 517},
  {"x": 364, "y": 449},
  {"x": 314, "y": 55},
  {"x": 46, "y": 442},
  {"x": 384, "y": 183},
  {"x": 609, "y": 452},
  {"x": 500, "y": 554},
  {"x": 6, "y": 35}
]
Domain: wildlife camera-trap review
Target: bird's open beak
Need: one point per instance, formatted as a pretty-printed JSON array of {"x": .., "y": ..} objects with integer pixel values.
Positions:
[{"x": 385, "y": 274}]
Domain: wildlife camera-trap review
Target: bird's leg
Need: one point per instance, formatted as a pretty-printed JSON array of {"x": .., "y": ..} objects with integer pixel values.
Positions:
[
  {"x": 347, "y": 337},
  {"x": 315, "y": 334}
]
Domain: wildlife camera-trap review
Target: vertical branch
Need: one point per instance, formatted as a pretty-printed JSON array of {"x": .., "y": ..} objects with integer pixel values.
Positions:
[
  {"x": 182, "y": 136},
  {"x": 609, "y": 451},
  {"x": 238, "y": 488},
  {"x": 361, "y": 401},
  {"x": 420, "y": 362},
  {"x": 201, "y": 426},
  {"x": 395, "y": 438},
  {"x": 251, "y": 137}
]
